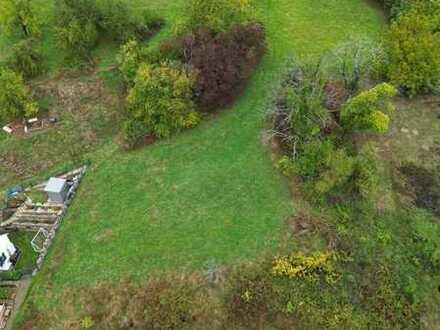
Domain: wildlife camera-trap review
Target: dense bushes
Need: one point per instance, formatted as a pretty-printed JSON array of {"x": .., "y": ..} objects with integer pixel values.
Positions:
[
  {"x": 222, "y": 62},
  {"x": 395, "y": 7},
  {"x": 76, "y": 31},
  {"x": 25, "y": 58},
  {"x": 300, "y": 113},
  {"x": 216, "y": 60},
  {"x": 19, "y": 15},
  {"x": 412, "y": 45},
  {"x": 161, "y": 98},
  {"x": 215, "y": 15},
  {"x": 315, "y": 119},
  {"x": 119, "y": 23},
  {"x": 81, "y": 23},
  {"x": 15, "y": 100},
  {"x": 323, "y": 167},
  {"x": 369, "y": 110}
]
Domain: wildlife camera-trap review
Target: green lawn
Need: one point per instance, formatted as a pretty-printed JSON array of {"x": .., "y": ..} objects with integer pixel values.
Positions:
[{"x": 209, "y": 195}]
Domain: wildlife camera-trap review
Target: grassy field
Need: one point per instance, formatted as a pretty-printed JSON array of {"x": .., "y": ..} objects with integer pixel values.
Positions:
[{"x": 207, "y": 196}]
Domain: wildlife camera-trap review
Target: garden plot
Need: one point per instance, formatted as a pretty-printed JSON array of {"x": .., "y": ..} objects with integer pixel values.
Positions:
[
  {"x": 44, "y": 217},
  {"x": 41, "y": 212}
]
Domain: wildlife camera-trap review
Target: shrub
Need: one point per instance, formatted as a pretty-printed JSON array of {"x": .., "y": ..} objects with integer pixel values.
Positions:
[
  {"x": 426, "y": 234},
  {"x": 353, "y": 61},
  {"x": 369, "y": 110},
  {"x": 300, "y": 115},
  {"x": 323, "y": 167},
  {"x": 129, "y": 59},
  {"x": 81, "y": 22},
  {"x": 395, "y": 7},
  {"x": 75, "y": 30},
  {"x": 118, "y": 22},
  {"x": 300, "y": 266},
  {"x": 412, "y": 44},
  {"x": 216, "y": 15},
  {"x": 222, "y": 62},
  {"x": 248, "y": 295},
  {"x": 15, "y": 100},
  {"x": 26, "y": 59},
  {"x": 132, "y": 134},
  {"x": 367, "y": 172},
  {"x": 19, "y": 15},
  {"x": 161, "y": 98}
]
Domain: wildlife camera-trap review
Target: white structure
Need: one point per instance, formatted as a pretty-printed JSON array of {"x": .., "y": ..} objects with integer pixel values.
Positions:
[
  {"x": 7, "y": 251},
  {"x": 57, "y": 190}
]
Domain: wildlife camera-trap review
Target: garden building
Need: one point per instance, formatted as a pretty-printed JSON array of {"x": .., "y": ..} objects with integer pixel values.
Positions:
[
  {"x": 8, "y": 253},
  {"x": 57, "y": 190}
]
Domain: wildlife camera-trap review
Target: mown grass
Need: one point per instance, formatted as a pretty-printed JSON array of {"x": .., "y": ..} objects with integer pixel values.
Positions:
[{"x": 209, "y": 195}]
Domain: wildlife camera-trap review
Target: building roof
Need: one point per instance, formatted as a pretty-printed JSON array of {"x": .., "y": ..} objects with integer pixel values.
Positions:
[
  {"x": 7, "y": 249},
  {"x": 55, "y": 185}
]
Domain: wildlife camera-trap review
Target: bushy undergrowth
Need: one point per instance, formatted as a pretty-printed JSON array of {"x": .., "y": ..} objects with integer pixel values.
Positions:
[
  {"x": 316, "y": 127},
  {"x": 217, "y": 64},
  {"x": 162, "y": 99},
  {"x": 215, "y": 15},
  {"x": 26, "y": 59},
  {"x": 15, "y": 98},
  {"x": 81, "y": 23},
  {"x": 412, "y": 44}
]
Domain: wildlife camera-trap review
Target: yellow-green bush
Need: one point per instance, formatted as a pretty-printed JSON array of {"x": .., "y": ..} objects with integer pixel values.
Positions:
[
  {"x": 216, "y": 15},
  {"x": 369, "y": 110},
  {"x": 412, "y": 44},
  {"x": 301, "y": 266},
  {"x": 15, "y": 100},
  {"x": 19, "y": 15},
  {"x": 162, "y": 98}
]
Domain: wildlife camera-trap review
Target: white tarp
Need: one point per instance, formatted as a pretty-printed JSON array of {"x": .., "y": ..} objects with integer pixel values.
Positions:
[{"x": 7, "y": 249}]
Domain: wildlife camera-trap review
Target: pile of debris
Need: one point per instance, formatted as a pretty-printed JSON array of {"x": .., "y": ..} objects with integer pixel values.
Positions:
[{"x": 26, "y": 126}]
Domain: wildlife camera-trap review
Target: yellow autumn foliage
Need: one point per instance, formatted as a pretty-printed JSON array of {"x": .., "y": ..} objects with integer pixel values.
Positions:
[{"x": 301, "y": 266}]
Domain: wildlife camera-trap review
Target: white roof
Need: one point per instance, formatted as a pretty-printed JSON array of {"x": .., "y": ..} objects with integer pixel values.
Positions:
[
  {"x": 55, "y": 185},
  {"x": 8, "y": 249}
]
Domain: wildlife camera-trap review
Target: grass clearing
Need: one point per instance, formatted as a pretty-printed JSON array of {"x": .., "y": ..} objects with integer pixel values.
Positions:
[{"x": 208, "y": 195}]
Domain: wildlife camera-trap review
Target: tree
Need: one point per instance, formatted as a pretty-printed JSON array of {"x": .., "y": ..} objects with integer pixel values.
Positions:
[
  {"x": 129, "y": 59},
  {"x": 323, "y": 167},
  {"x": 413, "y": 44},
  {"x": 369, "y": 110},
  {"x": 161, "y": 98},
  {"x": 15, "y": 100},
  {"x": 76, "y": 31},
  {"x": 223, "y": 62},
  {"x": 216, "y": 15},
  {"x": 19, "y": 15},
  {"x": 25, "y": 58}
]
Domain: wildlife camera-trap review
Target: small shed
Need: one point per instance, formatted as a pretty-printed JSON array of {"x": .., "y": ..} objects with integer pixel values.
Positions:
[
  {"x": 57, "y": 190},
  {"x": 8, "y": 253}
]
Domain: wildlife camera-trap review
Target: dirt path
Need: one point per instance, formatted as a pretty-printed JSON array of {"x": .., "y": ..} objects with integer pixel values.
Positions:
[{"x": 22, "y": 289}]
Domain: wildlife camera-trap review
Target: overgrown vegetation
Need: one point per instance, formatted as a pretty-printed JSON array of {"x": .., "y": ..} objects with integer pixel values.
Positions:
[
  {"x": 161, "y": 98},
  {"x": 330, "y": 147},
  {"x": 19, "y": 15},
  {"x": 217, "y": 53},
  {"x": 411, "y": 44},
  {"x": 81, "y": 23},
  {"x": 15, "y": 99},
  {"x": 356, "y": 265}
]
